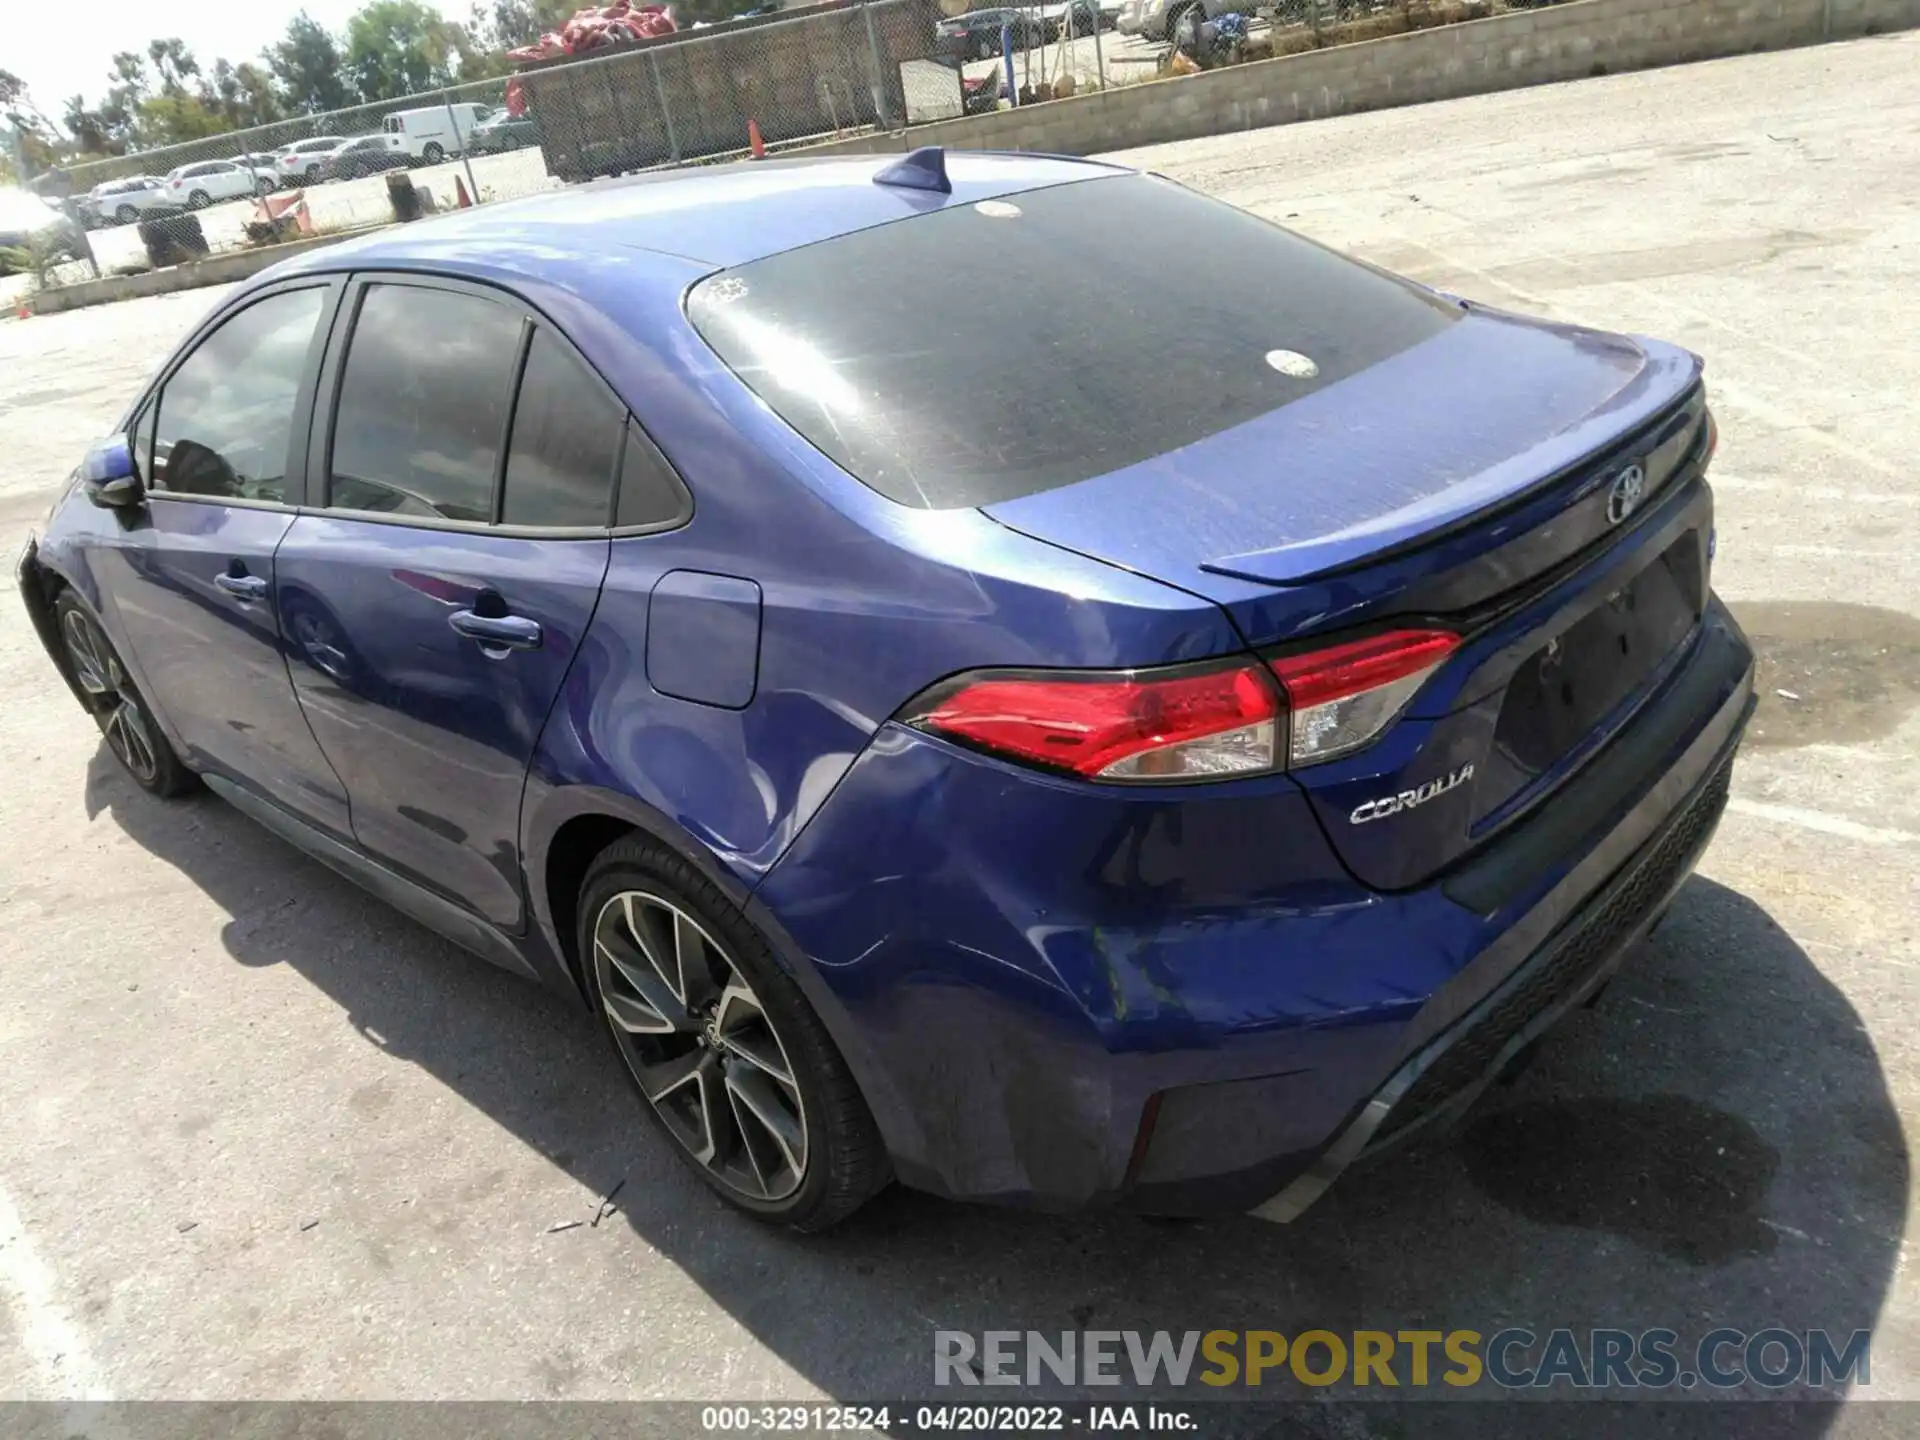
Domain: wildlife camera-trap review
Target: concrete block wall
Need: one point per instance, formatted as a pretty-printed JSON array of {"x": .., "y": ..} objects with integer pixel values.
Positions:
[{"x": 1568, "y": 41}]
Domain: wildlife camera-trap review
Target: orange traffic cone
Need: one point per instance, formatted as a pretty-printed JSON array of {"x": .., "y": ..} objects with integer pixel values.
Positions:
[
  {"x": 461, "y": 198},
  {"x": 754, "y": 142}
]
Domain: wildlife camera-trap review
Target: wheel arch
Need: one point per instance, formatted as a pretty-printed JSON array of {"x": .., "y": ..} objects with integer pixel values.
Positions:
[
  {"x": 567, "y": 828},
  {"x": 40, "y": 587}
]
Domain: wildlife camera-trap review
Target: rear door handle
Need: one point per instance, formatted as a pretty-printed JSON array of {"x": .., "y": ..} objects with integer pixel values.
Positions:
[
  {"x": 506, "y": 632},
  {"x": 242, "y": 587}
]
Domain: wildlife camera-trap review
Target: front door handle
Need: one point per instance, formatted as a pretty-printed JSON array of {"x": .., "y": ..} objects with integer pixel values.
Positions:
[
  {"x": 505, "y": 632},
  {"x": 242, "y": 587}
]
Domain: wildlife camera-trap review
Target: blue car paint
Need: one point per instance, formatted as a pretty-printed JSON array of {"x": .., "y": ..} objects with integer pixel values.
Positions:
[
  {"x": 1013, "y": 964},
  {"x": 1485, "y": 409},
  {"x": 429, "y": 732},
  {"x": 210, "y": 662}
]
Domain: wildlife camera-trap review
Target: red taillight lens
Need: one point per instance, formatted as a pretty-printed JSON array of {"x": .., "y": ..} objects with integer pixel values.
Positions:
[
  {"x": 1128, "y": 726},
  {"x": 1188, "y": 723},
  {"x": 1342, "y": 697},
  {"x": 1713, "y": 440}
]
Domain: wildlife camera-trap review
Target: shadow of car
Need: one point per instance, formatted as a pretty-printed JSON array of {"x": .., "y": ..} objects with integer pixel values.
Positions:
[{"x": 1653, "y": 1166}]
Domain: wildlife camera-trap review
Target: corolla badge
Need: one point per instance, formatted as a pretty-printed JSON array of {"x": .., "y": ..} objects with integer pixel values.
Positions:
[
  {"x": 1387, "y": 805},
  {"x": 1629, "y": 488}
]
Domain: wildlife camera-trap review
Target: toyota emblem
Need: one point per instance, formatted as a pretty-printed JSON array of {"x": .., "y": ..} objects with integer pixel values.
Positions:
[{"x": 1629, "y": 487}]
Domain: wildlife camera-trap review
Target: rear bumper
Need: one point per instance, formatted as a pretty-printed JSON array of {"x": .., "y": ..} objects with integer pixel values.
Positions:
[
  {"x": 1446, "y": 1075},
  {"x": 1179, "y": 1002}
]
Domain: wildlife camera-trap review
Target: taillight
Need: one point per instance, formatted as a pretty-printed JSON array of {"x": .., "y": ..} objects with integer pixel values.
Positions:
[
  {"x": 1343, "y": 696},
  {"x": 1713, "y": 440},
  {"x": 1178, "y": 724},
  {"x": 1185, "y": 723}
]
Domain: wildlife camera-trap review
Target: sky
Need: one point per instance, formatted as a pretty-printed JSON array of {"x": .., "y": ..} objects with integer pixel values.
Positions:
[{"x": 58, "y": 56}]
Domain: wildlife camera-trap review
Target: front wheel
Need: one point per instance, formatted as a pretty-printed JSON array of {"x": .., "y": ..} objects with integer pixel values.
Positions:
[
  {"x": 126, "y": 215},
  {"x": 732, "y": 1061},
  {"x": 433, "y": 153},
  {"x": 116, "y": 706}
]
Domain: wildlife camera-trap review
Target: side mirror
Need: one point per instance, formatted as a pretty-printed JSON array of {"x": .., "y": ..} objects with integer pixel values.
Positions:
[{"x": 109, "y": 477}]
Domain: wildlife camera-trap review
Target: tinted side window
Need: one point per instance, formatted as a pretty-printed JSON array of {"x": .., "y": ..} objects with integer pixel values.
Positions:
[
  {"x": 423, "y": 404},
  {"x": 650, "y": 489},
  {"x": 566, "y": 437},
  {"x": 226, "y": 416}
]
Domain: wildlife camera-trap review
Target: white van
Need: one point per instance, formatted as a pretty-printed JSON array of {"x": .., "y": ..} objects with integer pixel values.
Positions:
[{"x": 433, "y": 132}]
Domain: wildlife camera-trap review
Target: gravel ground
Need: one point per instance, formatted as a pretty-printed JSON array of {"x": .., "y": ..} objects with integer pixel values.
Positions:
[{"x": 209, "y": 1043}]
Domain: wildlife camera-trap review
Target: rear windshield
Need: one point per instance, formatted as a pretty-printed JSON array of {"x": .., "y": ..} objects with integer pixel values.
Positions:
[{"x": 984, "y": 352}]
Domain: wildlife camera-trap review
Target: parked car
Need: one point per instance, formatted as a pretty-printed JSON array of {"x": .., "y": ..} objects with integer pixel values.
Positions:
[
  {"x": 978, "y": 33},
  {"x": 433, "y": 132},
  {"x": 265, "y": 164},
  {"x": 1158, "y": 19},
  {"x": 32, "y": 227},
  {"x": 1086, "y": 15},
  {"x": 364, "y": 156},
  {"x": 300, "y": 163},
  {"x": 1150, "y": 772},
  {"x": 123, "y": 201},
  {"x": 194, "y": 187},
  {"x": 501, "y": 131}
]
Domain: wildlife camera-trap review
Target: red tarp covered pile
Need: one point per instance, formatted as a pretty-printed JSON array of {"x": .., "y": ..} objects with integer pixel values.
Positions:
[{"x": 595, "y": 27}]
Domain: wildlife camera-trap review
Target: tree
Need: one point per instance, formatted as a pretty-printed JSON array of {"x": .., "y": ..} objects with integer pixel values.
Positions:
[
  {"x": 173, "y": 63},
  {"x": 34, "y": 133},
  {"x": 509, "y": 24},
  {"x": 400, "y": 47},
  {"x": 308, "y": 68},
  {"x": 89, "y": 129},
  {"x": 242, "y": 94}
]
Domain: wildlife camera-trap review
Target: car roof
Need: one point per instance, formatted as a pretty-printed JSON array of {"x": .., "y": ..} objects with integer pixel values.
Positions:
[{"x": 716, "y": 216}]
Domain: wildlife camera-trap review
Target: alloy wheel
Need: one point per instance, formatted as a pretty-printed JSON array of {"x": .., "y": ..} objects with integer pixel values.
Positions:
[
  {"x": 122, "y": 720},
  {"x": 700, "y": 1044}
]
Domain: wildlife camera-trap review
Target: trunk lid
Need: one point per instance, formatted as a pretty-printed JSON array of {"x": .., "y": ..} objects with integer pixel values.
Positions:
[
  {"x": 1478, "y": 482},
  {"x": 1447, "y": 431}
]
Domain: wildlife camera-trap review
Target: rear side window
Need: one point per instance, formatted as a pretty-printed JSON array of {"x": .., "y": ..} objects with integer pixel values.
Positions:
[
  {"x": 423, "y": 404},
  {"x": 984, "y": 352},
  {"x": 651, "y": 493},
  {"x": 226, "y": 414},
  {"x": 566, "y": 441}
]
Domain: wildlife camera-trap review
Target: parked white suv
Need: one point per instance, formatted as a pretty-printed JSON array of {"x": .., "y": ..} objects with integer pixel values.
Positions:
[
  {"x": 301, "y": 162},
  {"x": 123, "y": 201},
  {"x": 201, "y": 185},
  {"x": 433, "y": 132}
]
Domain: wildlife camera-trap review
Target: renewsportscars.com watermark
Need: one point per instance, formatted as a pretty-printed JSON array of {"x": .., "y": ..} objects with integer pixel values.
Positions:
[{"x": 1511, "y": 1359}]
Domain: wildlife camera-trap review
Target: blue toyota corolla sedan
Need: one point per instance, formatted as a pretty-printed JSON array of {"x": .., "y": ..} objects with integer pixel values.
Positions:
[{"x": 959, "y": 695}]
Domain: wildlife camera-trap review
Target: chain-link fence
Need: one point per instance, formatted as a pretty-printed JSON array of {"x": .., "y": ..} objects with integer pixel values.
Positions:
[{"x": 750, "y": 86}]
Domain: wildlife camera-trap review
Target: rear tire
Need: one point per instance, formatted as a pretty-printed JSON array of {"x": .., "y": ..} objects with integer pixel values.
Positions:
[
  {"x": 125, "y": 721},
  {"x": 199, "y": 200},
  {"x": 433, "y": 153},
  {"x": 730, "y": 1060}
]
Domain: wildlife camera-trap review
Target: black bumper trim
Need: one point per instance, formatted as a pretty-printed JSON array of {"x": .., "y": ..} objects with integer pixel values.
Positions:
[{"x": 1581, "y": 955}]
